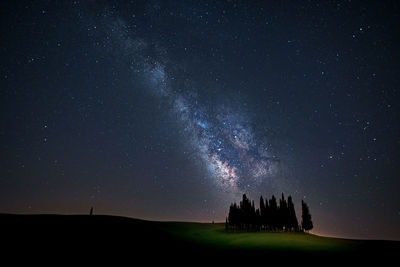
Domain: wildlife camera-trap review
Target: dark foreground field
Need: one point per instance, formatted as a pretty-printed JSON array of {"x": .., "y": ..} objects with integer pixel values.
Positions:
[{"x": 99, "y": 236}]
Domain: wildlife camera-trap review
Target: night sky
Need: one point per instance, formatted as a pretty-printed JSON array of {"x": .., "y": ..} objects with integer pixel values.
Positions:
[{"x": 171, "y": 110}]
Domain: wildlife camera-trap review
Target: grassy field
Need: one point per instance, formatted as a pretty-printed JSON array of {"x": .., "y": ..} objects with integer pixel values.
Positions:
[
  {"x": 127, "y": 237},
  {"x": 214, "y": 236}
]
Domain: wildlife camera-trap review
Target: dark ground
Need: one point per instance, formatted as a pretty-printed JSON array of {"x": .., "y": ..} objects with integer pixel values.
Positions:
[{"x": 99, "y": 237}]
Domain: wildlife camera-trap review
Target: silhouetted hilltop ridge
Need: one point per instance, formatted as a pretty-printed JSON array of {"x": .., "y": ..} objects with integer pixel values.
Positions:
[{"x": 115, "y": 235}]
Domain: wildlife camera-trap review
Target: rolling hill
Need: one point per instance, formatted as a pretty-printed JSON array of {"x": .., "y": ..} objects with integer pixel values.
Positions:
[{"x": 74, "y": 235}]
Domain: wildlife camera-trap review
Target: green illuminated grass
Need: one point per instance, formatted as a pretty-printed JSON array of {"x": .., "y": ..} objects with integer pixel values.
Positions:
[{"x": 215, "y": 236}]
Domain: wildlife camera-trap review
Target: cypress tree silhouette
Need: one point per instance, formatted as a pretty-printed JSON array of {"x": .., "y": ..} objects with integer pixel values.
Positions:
[
  {"x": 237, "y": 215},
  {"x": 233, "y": 216},
  {"x": 273, "y": 211},
  {"x": 267, "y": 216},
  {"x": 253, "y": 216},
  {"x": 262, "y": 213},
  {"x": 258, "y": 220},
  {"x": 293, "y": 225},
  {"x": 270, "y": 216},
  {"x": 282, "y": 213},
  {"x": 230, "y": 219},
  {"x": 245, "y": 207},
  {"x": 306, "y": 222}
]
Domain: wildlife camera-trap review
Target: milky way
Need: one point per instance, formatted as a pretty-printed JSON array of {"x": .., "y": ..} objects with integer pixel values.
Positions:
[
  {"x": 227, "y": 145},
  {"x": 235, "y": 158}
]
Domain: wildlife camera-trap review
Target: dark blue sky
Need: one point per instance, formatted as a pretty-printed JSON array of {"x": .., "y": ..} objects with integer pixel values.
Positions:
[{"x": 170, "y": 110}]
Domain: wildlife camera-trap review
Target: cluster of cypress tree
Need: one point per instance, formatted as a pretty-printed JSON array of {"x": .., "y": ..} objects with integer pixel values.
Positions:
[{"x": 269, "y": 217}]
